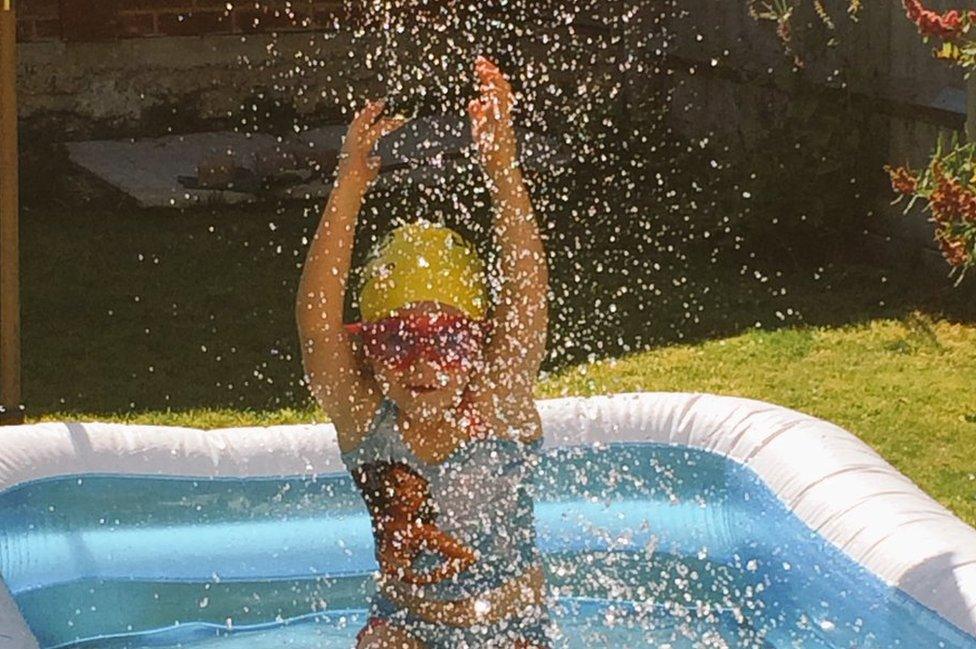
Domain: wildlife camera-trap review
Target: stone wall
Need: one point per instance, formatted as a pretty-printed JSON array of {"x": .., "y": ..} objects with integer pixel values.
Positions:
[
  {"x": 89, "y": 20},
  {"x": 140, "y": 73},
  {"x": 144, "y": 87}
]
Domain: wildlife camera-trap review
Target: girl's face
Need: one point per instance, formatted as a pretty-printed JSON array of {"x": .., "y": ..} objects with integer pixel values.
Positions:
[{"x": 426, "y": 387}]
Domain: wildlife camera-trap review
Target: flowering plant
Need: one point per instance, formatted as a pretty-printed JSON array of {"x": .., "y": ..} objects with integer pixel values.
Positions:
[
  {"x": 948, "y": 186},
  {"x": 953, "y": 28},
  {"x": 782, "y": 12}
]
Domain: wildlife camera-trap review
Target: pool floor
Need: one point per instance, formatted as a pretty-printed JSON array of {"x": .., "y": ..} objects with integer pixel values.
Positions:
[{"x": 578, "y": 624}]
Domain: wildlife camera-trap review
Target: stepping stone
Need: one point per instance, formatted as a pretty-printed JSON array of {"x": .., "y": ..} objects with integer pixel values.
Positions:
[{"x": 151, "y": 169}]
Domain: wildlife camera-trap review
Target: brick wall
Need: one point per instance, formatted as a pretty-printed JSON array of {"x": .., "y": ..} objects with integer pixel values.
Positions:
[
  {"x": 38, "y": 20},
  {"x": 101, "y": 69},
  {"x": 95, "y": 20}
]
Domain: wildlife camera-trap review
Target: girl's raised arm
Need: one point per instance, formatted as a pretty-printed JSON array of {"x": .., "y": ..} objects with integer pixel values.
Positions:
[
  {"x": 520, "y": 320},
  {"x": 333, "y": 374}
]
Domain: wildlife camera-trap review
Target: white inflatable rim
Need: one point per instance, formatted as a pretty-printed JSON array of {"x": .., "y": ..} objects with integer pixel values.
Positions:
[{"x": 842, "y": 489}]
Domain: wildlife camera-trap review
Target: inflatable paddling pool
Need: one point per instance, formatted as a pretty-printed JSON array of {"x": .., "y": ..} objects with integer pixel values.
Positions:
[{"x": 667, "y": 520}]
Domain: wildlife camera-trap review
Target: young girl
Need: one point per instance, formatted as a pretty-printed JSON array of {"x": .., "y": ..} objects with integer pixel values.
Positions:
[{"x": 438, "y": 427}]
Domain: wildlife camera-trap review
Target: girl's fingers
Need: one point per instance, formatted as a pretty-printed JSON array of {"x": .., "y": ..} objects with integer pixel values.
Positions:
[
  {"x": 484, "y": 63},
  {"x": 476, "y": 109},
  {"x": 487, "y": 83},
  {"x": 491, "y": 106},
  {"x": 490, "y": 74},
  {"x": 384, "y": 127},
  {"x": 369, "y": 112},
  {"x": 481, "y": 131},
  {"x": 375, "y": 107},
  {"x": 483, "y": 69},
  {"x": 389, "y": 124},
  {"x": 494, "y": 85}
]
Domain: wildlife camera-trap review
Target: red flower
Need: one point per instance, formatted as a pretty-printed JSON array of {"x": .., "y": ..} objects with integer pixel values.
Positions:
[
  {"x": 951, "y": 202},
  {"x": 783, "y": 31},
  {"x": 947, "y": 26},
  {"x": 902, "y": 180},
  {"x": 954, "y": 249}
]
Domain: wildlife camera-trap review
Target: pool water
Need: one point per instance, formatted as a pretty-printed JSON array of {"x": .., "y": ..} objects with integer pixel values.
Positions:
[{"x": 645, "y": 545}]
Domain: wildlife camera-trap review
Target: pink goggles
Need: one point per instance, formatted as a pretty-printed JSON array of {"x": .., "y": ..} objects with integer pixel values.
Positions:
[{"x": 449, "y": 341}]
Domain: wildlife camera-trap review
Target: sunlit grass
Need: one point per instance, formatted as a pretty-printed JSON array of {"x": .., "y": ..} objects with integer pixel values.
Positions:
[{"x": 205, "y": 418}]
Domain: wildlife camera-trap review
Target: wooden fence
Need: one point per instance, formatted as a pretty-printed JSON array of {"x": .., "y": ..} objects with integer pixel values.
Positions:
[{"x": 733, "y": 75}]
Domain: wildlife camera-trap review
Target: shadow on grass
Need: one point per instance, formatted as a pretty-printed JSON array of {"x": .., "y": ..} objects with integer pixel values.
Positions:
[{"x": 130, "y": 310}]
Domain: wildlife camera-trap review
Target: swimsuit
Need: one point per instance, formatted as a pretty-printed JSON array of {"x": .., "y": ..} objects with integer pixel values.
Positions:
[{"x": 460, "y": 528}]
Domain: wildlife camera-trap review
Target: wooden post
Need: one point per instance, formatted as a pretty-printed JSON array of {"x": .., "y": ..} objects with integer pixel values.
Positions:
[{"x": 11, "y": 411}]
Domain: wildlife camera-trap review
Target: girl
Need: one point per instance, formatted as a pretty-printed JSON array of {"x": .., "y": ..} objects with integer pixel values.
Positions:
[{"x": 438, "y": 427}]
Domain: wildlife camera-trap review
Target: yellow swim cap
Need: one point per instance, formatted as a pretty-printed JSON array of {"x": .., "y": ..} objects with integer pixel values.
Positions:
[{"x": 421, "y": 262}]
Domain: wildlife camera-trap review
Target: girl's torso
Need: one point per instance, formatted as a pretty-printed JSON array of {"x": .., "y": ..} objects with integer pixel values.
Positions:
[{"x": 476, "y": 503}]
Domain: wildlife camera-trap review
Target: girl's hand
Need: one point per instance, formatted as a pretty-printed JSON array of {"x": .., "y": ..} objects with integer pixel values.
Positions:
[
  {"x": 491, "y": 119},
  {"x": 356, "y": 162},
  {"x": 456, "y": 557}
]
